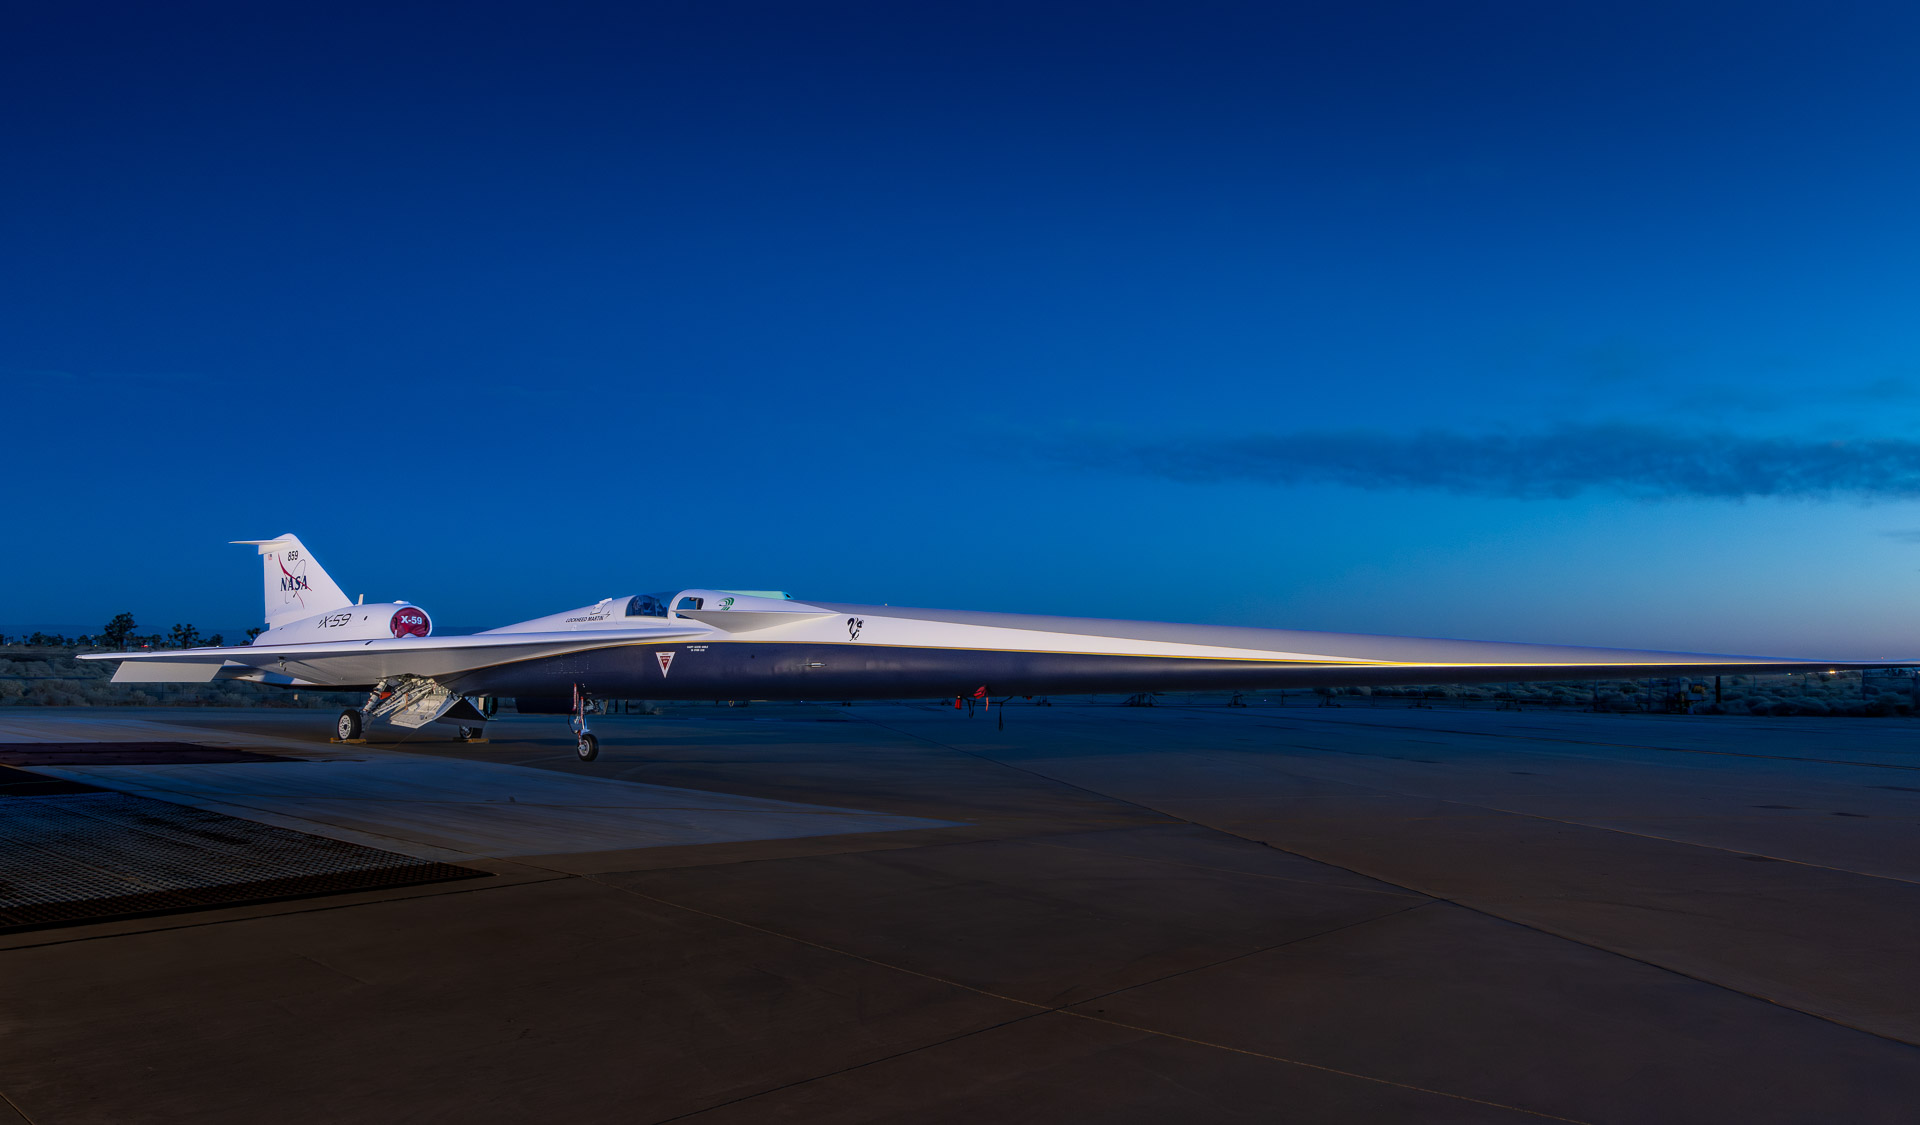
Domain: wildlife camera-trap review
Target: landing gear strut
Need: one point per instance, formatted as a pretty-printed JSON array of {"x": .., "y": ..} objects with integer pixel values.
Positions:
[
  {"x": 588, "y": 747},
  {"x": 352, "y": 726}
]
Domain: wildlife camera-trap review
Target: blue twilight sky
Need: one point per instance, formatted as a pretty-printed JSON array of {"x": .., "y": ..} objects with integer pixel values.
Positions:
[{"x": 1582, "y": 323}]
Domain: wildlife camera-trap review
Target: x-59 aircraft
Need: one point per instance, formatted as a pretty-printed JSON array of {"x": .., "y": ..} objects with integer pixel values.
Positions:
[{"x": 758, "y": 644}]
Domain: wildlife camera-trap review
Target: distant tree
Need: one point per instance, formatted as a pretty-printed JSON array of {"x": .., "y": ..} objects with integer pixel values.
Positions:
[
  {"x": 255, "y": 632},
  {"x": 183, "y": 636},
  {"x": 216, "y": 640},
  {"x": 118, "y": 630}
]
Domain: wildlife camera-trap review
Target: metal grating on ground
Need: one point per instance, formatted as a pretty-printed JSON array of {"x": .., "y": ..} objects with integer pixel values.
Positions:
[
  {"x": 90, "y": 856},
  {"x": 125, "y": 754}
]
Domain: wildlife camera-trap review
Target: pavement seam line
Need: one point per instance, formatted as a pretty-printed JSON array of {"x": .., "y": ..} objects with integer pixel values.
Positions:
[
  {"x": 850, "y": 1068},
  {"x": 1040, "y": 842},
  {"x": 1471, "y": 804},
  {"x": 1484, "y": 911},
  {"x": 1036, "y": 773},
  {"x": 1594, "y": 945},
  {"x": 1332, "y": 1070},
  {"x": 1315, "y": 936},
  {"x": 1045, "y": 1009},
  {"x": 1669, "y": 839},
  {"x": 15, "y": 1107},
  {"x": 1588, "y": 742}
]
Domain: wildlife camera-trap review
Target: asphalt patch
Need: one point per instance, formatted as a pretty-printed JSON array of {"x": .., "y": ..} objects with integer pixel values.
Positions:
[
  {"x": 24, "y": 783},
  {"x": 126, "y": 754}
]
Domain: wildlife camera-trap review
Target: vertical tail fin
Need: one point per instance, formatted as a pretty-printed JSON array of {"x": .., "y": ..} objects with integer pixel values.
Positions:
[{"x": 296, "y": 586}]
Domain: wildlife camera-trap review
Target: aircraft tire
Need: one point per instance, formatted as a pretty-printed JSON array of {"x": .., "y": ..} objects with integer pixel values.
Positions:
[
  {"x": 589, "y": 748},
  {"x": 467, "y": 733},
  {"x": 350, "y": 725}
]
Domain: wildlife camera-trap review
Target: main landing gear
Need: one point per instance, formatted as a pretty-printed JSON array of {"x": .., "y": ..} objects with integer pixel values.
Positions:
[
  {"x": 588, "y": 747},
  {"x": 411, "y": 705}
]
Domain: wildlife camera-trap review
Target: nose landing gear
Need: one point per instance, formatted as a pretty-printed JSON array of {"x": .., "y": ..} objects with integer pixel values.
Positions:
[{"x": 588, "y": 747}]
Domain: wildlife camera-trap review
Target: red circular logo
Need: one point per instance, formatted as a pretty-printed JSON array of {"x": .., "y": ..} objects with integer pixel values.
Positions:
[{"x": 410, "y": 622}]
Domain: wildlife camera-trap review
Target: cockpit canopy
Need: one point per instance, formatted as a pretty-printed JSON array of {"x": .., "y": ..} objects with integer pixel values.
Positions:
[
  {"x": 656, "y": 605},
  {"x": 647, "y": 605}
]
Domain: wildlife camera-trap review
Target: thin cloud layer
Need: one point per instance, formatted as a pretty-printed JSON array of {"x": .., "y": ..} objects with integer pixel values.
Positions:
[{"x": 1629, "y": 460}]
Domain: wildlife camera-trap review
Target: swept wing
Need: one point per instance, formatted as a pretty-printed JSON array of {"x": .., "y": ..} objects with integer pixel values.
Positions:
[{"x": 343, "y": 663}]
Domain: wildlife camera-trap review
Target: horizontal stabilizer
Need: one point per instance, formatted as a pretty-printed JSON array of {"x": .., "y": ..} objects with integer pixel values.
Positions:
[{"x": 165, "y": 672}]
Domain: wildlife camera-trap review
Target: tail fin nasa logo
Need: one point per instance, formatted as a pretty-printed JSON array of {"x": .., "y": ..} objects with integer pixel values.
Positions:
[{"x": 293, "y": 578}]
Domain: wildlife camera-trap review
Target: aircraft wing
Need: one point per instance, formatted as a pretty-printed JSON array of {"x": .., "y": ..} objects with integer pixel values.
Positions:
[{"x": 334, "y": 663}]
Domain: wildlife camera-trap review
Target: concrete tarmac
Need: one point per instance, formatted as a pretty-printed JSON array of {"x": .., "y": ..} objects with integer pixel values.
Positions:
[{"x": 895, "y": 912}]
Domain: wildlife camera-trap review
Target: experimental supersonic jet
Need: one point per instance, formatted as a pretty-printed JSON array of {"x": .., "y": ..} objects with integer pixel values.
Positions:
[{"x": 760, "y": 644}]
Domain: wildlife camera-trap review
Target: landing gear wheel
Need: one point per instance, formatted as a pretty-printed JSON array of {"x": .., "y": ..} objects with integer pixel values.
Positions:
[
  {"x": 589, "y": 748},
  {"x": 349, "y": 726},
  {"x": 467, "y": 734}
]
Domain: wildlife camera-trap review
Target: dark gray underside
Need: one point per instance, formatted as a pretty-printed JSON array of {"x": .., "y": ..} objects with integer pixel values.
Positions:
[{"x": 747, "y": 670}]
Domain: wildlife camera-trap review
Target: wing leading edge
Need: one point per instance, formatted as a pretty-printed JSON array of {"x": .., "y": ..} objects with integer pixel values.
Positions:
[{"x": 325, "y": 663}]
